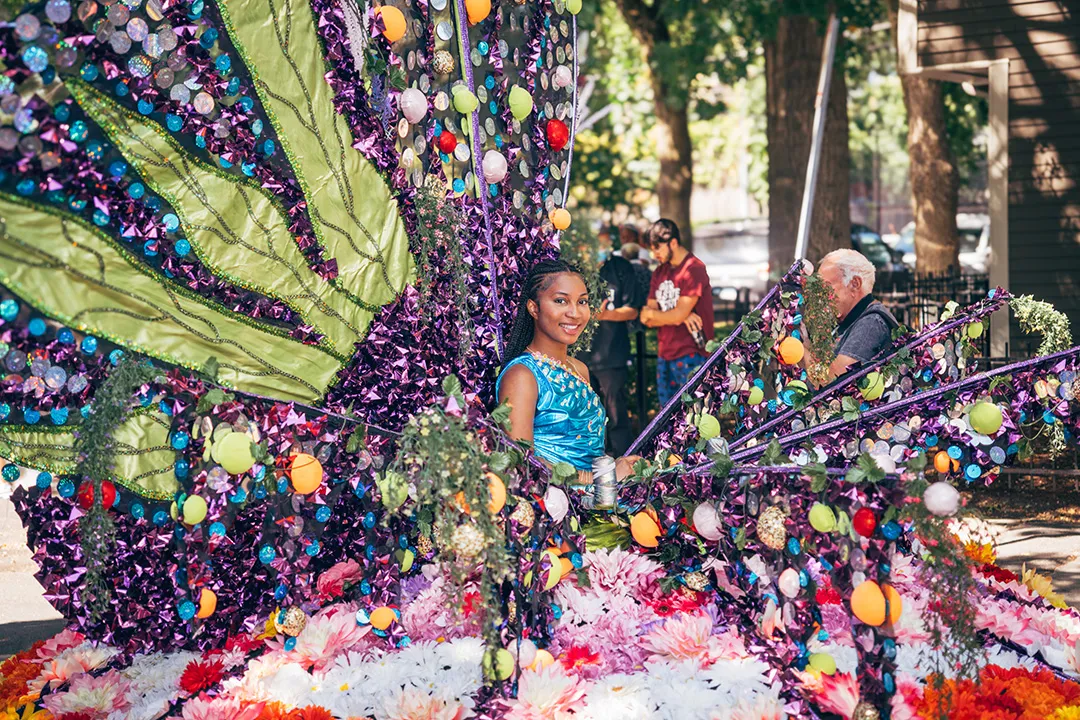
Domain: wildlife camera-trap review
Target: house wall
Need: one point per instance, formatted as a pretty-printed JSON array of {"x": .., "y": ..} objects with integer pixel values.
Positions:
[{"x": 1041, "y": 39}]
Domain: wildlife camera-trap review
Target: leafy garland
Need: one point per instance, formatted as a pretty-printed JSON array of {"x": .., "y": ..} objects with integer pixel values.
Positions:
[
  {"x": 439, "y": 253},
  {"x": 950, "y": 574},
  {"x": 94, "y": 448},
  {"x": 819, "y": 319},
  {"x": 441, "y": 463},
  {"x": 1036, "y": 316}
]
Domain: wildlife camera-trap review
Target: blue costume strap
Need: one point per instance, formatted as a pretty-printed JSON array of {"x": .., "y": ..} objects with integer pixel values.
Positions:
[{"x": 569, "y": 422}]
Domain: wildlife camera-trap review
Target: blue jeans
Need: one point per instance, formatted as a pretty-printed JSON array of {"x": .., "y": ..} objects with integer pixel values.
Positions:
[{"x": 672, "y": 375}]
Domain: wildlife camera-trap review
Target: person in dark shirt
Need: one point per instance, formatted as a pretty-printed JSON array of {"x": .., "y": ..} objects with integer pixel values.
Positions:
[
  {"x": 680, "y": 307},
  {"x": 610, "y": 354},
  {"x": 865, "y": 326}
]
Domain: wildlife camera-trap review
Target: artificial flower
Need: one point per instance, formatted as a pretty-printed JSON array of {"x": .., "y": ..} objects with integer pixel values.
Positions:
[
  {"x": 621, "y": 572},
  {"x": 578, "y": 656},
  {"x": 1043, "y": 585},
  {"x": 547, "y": 694},
  {"x": 201, "y": 675},
  {"x": 619, "y": 697},
  {"x": 413, "y": 704},
  {"x": 331, "y": 584},
  {"x": 96, "y": 697},
  {"x": 71, "y": 662},
  {"x": 330, "y": 632}
]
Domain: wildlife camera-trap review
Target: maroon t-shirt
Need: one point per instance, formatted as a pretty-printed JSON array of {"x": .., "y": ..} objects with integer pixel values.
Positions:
[{"x": 689, "y": 279}]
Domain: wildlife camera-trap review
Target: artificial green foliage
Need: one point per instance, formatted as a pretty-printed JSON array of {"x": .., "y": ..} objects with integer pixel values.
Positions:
[
  {"x": 441, "y": 459},
  {"x": 438, "y": 253},
  {"x": 112, "y": 404},
  {"x": 1040, "y": 317},
  {"x": 819, "y": 319}
]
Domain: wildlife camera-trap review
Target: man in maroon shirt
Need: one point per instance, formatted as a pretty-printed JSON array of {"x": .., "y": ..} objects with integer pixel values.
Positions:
[{"x": 680, "y": 307}]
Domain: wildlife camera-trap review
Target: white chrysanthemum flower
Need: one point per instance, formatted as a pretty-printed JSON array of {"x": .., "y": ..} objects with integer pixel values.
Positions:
[
  {"x": 619, "y": 697},
  {"x": 154, "y": 683},
  {"x": 291, "y": 686},
  {"x": 740, "y": 680},
  {"x": 680, "y": 692}
]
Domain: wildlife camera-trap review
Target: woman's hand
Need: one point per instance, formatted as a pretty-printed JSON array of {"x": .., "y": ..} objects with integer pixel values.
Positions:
[{"x": 624, "y": 466}]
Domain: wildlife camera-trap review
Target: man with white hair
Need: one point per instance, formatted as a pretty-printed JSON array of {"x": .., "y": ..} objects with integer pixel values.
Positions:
[{"x": 865, "y": 326}]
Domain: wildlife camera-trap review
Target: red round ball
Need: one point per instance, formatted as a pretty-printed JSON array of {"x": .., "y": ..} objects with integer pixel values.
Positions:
[
  {"x": 864, "y": 522},
  {"x": 557, "y": 134},
  {"x": 447, "y": 142},
  {"x": 86, "y": 494}
]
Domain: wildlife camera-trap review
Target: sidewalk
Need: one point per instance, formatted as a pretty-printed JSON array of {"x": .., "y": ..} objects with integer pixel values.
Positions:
[{"x": 25, "y": 615}]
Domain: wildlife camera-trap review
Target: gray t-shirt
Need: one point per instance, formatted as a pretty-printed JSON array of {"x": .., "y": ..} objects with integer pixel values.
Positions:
[{"x": 869, "y": 335}]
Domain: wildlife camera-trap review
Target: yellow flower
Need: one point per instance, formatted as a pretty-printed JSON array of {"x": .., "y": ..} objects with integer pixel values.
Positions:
[
  {"x": 1042, "y": 585},
  {"x": 28, "y": 712},
  {"x": 981, "y": 553},
  {"x": 1069, "y": 712}
]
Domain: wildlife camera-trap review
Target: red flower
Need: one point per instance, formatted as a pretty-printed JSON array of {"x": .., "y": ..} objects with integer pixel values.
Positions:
[
  {"x": 199, "y": 676},
  {"x": 77, "y": 716},
  {"x": 578, "y": 656},
  {"x": 827, "y": 596},
  {"x": 999, "y": 574},
  {"x": 471, "y": 603},
  {"x": 681, "y": 601}
]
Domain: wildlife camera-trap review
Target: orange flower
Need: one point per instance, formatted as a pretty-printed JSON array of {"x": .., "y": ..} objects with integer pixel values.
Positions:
[
  {"x": 311, "y": 712},
  {"x": 981, "y": 553}
]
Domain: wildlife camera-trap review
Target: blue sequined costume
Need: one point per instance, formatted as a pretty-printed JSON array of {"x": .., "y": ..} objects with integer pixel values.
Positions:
[{"x": 570, "y": 421}]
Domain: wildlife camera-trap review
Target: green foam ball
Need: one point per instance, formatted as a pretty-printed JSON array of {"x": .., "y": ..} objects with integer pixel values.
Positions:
[
  {"x": 194, "y": 510},
  {"x": 975, "y": 330},
  {"x": 573, "y": 6},
  {"x": 822, "y": 518},
  {"x": 708, "y": 427},
  {"x": 872, "y": 386},
  {"x": 233, "y": 452},
  {"x": 756, "y": 395},
  {"x": 521, "y": 102},
  {"x": 465, "y": 101},
  {"x": 823, "y": 663},
  {"x": 986, "y": 418}
]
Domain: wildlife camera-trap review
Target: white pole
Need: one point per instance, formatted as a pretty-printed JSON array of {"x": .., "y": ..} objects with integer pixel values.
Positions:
[{"x": 821, "y": 104}]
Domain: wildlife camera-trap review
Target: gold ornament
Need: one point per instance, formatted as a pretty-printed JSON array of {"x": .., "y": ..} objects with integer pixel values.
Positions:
[
  {"x": 424, "y": 546},
  {"x": 865, "y": 711},
  {"x": 770, "y": 527},
  {"x": 696, "y": 581},
  {"x": 467, "y": 541},
  {"x": 523, "y": 514},
  {"x": 443, "y": 63},
  {"x": 294, "y": 622},
  {"x": 511, "y": 610}
]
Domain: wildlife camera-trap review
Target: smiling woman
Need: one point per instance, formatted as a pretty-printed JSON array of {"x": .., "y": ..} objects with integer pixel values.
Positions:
[{"x": 553, "y": 405}]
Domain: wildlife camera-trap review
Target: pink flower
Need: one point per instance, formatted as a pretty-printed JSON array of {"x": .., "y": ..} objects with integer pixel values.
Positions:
[
  {"x": 764, "y": 708},
  {"x": 328, "y": 633},
  {"x": 413, "y": 704},
  {"x": 95, "y": 697},
  {"x": 64, "y": 640},
  {"x": 205, "y": 707},
  {"x": 332, "y": 583},
  {"x": 837, "y": 693},
  {"x": 690, "y": 637},
  {"x": 622, "y": 572},
  {"x": 548, "y": 694},
  {"x": 70, "y": 663}
]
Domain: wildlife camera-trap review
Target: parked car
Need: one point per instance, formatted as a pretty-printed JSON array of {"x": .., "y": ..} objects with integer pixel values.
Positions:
[
  {"x": 974, "y": 229},
  {"x": 868, "y": 242}
]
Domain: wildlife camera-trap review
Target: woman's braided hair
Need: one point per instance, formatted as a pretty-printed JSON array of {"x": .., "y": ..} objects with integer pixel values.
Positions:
[{"x": 538, "y": 279}]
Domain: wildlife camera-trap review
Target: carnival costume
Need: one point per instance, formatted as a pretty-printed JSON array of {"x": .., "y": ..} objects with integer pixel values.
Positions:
[{"x": 256, "y": 259}]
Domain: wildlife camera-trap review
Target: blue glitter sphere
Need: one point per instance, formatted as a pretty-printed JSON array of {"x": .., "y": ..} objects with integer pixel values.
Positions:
[
  {"x": 217, "y": 529},
  {"x": 10, "y": 473},
  {"x": 36, "y": 327},
  {"x": 186, "y": 611},
  {"x": 267, "y": 554},
  {"x": 9, "y": 309},
  {"x": 44, "y": 481},
  {"x": 89, "y": 345},
  {"x": 66, "y": 488},
  {"x": 322, "y": 514},
  {"x": 59, "y": 416},
  {"x": 137, "y": 510}
]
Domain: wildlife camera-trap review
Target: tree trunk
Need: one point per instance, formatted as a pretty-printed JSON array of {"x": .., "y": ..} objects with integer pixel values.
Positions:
[
  {"x": 934, "y": 177},
  {"x": 676, "y": 183},
  {"x": 792, "y": 66}
]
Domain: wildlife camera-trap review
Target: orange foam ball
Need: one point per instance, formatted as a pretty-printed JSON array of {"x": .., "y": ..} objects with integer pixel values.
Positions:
[
  {"x": 393, "y": 20},
  {"x": 306, "y": 473},
  {"x": 560, "y": 218},
  {"x": 381, "y": 618},
  {"x": 896, "y": 603},
  {"x": 543, "y": 659},
  {"x": 477, "y": 10},
  {"x": 645, "y": 530},
  {"x": 942, "y": 461},
  {"x": 791, "y": 351},
  {"x": 565, "y": 566},
  {"x": 868, "y": 603},
  {"x": 497, "y": 489},
  {"x": 207, "y": 603}
]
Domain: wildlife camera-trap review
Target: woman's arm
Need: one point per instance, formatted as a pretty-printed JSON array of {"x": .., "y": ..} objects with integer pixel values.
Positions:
[{"x": 518, "y": 388}]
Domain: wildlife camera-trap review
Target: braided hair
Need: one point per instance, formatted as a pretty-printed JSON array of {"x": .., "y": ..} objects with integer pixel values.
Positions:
[{"x": 538, "y": 280}]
